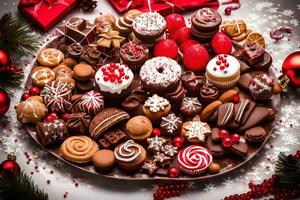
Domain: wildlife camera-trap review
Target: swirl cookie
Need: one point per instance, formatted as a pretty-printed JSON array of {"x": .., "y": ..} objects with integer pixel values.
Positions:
[
  {"x": 78, "y": 149},
  {"x": 130, "y": 156},
  {"x": 194, "y": 159},
  {"x": 50, "y": 57}
]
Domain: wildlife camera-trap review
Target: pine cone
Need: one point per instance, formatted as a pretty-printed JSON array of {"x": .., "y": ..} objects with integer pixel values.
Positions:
[{"x": 87, "y": 5}]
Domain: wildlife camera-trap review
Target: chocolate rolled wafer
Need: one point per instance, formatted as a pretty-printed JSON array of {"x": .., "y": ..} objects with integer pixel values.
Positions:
[{"x": 105, "y": 119}]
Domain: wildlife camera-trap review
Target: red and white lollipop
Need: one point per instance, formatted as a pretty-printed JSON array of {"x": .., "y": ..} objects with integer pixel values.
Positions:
[{"x": 194, "y": 159}]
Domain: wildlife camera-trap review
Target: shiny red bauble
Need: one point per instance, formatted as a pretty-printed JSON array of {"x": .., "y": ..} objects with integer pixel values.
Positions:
[
  {"x": 181, "y": 35},
  {"x": 156, "y": 132},
  {"x": 173, "y": 172},
  {"x": 187, "y": 44},
  {"x": 178, "y": 142},
  {"x": 5, "y": 61},
  {"x": 167, "y": 48},
  {"x": 291, "y": 68},
  {"x": 236, "y": 99},
  {"x": 227, "y": 11},
  {"x": 174, "y": 22},
  {"x": 235, "y": 138},
  {"x": 4, "y": 102},
  {"x": 34, "y": 91},
  {"x": 221, "y": 44},
  {"x": 223, "y": 133},
  {"x": 9, "y": 168},
  {"x": 226, "y": 142},
  {"x": 195, "y": 58},
  {"x": 25, "y": 96},
  {"x": 65, "y": 116}
]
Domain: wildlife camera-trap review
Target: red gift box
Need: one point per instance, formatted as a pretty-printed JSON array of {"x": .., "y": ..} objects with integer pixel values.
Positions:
[
  {"x": 46, "y": 13},
  {"x": 164, "y": 7}
]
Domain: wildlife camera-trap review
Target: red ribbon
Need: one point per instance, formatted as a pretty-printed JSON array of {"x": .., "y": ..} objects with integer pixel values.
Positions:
[
  {"x": 130, "y": 4},
  {"x": 169, "y": 2}
]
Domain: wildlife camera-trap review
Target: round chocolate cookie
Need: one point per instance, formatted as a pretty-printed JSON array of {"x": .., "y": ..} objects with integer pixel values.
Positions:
[
  {"x": 104, "y": 159},
  {"x": 203, "y": 34},
  {"x": 190, "y": 107},
  {"x": 206, "y": 19},
  {"x": 75, "y": 50},
  {"x": 176, "y": 95},
  {"x": 133, "y": 104},
  {"x": 208, "y": 93},
  {"x": 78, "y": 123},
  {"x": 265, "y": 63},
  {"x": 192, "y": 83}
]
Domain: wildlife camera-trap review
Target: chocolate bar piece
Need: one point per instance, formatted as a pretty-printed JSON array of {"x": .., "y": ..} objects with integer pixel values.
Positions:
[
  {"x": 52, "y": 132},
  {"x": 253, "y": 52},
  {"x": 112, "y": 138},
  {"x": 79, "y": 30},
  {"x": 104, "y": 143}
]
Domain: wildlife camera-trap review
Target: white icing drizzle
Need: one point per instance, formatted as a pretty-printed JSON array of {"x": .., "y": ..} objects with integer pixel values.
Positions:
[
  {"x": 241, "y": 109},
  {"x": 170, "y": 150},
  {"x": 170, "y": 122},
  {"x": 156, "y": 143},
  {"x": 227, "y": 114},
  {"x": 128, "y": 151},
  {"x": 156, "y": 103},
  {"x": 190, "y": 103},
  {"x": 42, "y": 75},
  {"x": 197, "y": 129},
  {"x": 51, "y": 55},
  {"x": 149, "y": 23},
  {"x": 91, "y": 102}
]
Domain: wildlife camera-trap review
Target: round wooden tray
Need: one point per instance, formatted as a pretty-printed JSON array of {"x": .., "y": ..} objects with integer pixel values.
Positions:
[{"x": 228, "y": 163}]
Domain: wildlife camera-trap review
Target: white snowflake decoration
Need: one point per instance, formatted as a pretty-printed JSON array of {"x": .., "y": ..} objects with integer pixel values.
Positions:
[
  {"x": 156, "y": 103},
  {"x": 197, "y": 129}
]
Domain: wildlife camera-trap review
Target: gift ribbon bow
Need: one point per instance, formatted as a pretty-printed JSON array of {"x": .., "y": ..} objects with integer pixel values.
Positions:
[
  {"x": 130, "y": 4},
  {"x": 169, "y": 2},
  {"x": 38, "y": 3}
]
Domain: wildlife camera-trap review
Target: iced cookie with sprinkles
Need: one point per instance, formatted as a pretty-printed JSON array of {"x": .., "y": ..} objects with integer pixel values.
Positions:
[
  {"x": 114, "y": 80},
  {"x": 160, "y": 75},
  {"x": 149, "y": 26},
  {"x": 195, "y": 131},
  {"x": 156, "y": 107}
]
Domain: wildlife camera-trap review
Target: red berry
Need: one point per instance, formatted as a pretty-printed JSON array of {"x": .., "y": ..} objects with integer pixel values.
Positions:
[
  {"x": 174, "y": 22},
  {"x": 195, "y": 58},
  {"x": 119, "y": 81},
  {"x": 187, "y": 44},
  {"x": 53, "y": 115},
  {"x": 235, "y": 137},
  {"x": 223, "y": 133},
  {"x": 235, "y": 99},
  {"x": 178, "y": 141},
  {"x": 227, "y": 11},
  {"x": 173, "y": 172},
  {"x": 48, "y": 119},
  {"x": 226, "y": 142},
  {"x": 156, "y": 132},
  {"x": 221, "y": 43},
  {"x": 127, "y": 77},
  {"x": 33, "y": 91},
  {"x": 167, "y": 48},
  {"x": 105, "y": 78},
  {"x": 181, "y": 35},
  {"x": 65, "y": 116},
  {"x": 25, "y": 96}
]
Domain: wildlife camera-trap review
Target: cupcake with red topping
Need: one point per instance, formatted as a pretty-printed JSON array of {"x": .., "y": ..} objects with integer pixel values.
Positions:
[{"x": 114, "y": 80}]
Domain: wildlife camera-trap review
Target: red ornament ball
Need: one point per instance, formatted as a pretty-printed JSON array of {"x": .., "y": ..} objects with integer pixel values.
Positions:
[
  {"x": 235, "y": 137},
  {"x": 223, "y": 133},
  {"x": 173, "y": 172},
  {"x": 65, "y": 116},
  {"x": 156, "y": 132},
  {"x": 291, "y": 68},
  {"x": 178, "y": 142},
  {"x": 25, "y": 96},
  {"x": 227, "y": 11},
  {"x": 51, "y": 117},
  {"x": 221, "y": 43},
  {"x": 174, "y": 22},
  {"x": 4, "y": 102},
  {"x": 9, "y": 168},
  {"x": 34, "y": 91},
  {"x": 236, "y": 99},
  {"x": 226, "y": 142},
  {"x": 181, "y": 35},
  {"x": 167, "y": 48},
  {"x": 5, "y": 61},
  {"x": 187, "y": 44},
  {"x": 195, "y": 58}
]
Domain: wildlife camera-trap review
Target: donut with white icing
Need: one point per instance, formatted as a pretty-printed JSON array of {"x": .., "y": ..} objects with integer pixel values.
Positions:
[{"x": 160, "y": 74}]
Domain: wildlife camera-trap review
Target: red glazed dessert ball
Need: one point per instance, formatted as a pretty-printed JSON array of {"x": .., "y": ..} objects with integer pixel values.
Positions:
[
  {"x": 195, "y": 58},
  {"x": 174, "y": 22},
  {"x": 181, "y": 35},
  {"x": 221, "y": 44},
  {"x": 187, "y": 44},
  {"x": 167, "y": 48}
]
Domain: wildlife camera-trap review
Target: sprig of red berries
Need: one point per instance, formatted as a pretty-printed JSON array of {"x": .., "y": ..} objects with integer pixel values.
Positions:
[
  {"x": 114, "y": 73},
  {"x": 171, "y": 190}
]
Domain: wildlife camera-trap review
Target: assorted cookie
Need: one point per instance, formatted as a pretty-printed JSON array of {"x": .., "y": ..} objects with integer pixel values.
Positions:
[{"x": 106, "y": 100}]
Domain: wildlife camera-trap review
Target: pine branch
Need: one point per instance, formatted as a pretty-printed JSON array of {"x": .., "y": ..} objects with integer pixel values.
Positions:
[
  {"x": 20, "y": 188},
  {"x": 16, "y": 36},
  {"x": 288, "y": 170}
]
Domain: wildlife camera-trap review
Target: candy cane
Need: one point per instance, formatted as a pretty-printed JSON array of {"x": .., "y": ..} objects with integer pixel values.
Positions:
[{"x": 279, "y": 32}]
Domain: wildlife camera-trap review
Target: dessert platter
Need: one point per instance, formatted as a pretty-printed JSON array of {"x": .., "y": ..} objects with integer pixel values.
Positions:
[{"x": 144, "y": 97}]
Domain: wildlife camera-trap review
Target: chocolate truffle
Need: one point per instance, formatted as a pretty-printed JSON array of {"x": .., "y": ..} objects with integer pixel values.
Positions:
[
  {"x": 208, "y": 93},
  {"x": 78, "y": 123},
  {"x": 192, "y": 83},
  {"x": 75, "y": 50},
  {"x": 190, "y": 107}
]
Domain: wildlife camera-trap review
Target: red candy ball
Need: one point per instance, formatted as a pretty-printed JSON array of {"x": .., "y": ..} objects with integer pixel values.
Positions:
[
  {"x": 65, "y": 116},
  {"x": 187, "y": 44},
  {"x": 178, "y": 141},
  {"x": 221, "y": 44},
  {"x": 34, "y": 91},
  {"x": 235, "y": 137},
  {"x": 227, "y": 11},
  {"x": 235, "y": 99},
  {"x": 195, "y": 58},
  {"x": 174, "y": 22},
  {"x": 226, "y": 142},
  {"x": 173, "y": 172},
  {"x": 156, "y": 132},
  {"x": 223, "y": 133},
  {"x": 167, "y": 48},
  {"x": 181, "y": 35},
  {"x": 25, "y": 96},
  {"x": 51, "y": 117}
]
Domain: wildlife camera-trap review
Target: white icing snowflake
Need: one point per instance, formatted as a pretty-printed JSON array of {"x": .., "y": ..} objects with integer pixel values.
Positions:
[
  {"x": 170, "y": 150},
  {"x": 156, "y": 103},
  {"x": 197, "y": 129},
  {"x": 209, "y": 187},
  {"x": 228, "y": 183},
  {"x": 287, "y": 12},
  {"x": 170, "y": 122},
  {"x": 190, "y": 103},
  {"x": 295, "y": 22},
  {"x": 156, "y": 143}
]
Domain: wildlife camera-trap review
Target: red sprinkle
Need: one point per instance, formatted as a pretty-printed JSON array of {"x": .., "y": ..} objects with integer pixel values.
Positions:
[{"x": 127, "y": 77}]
